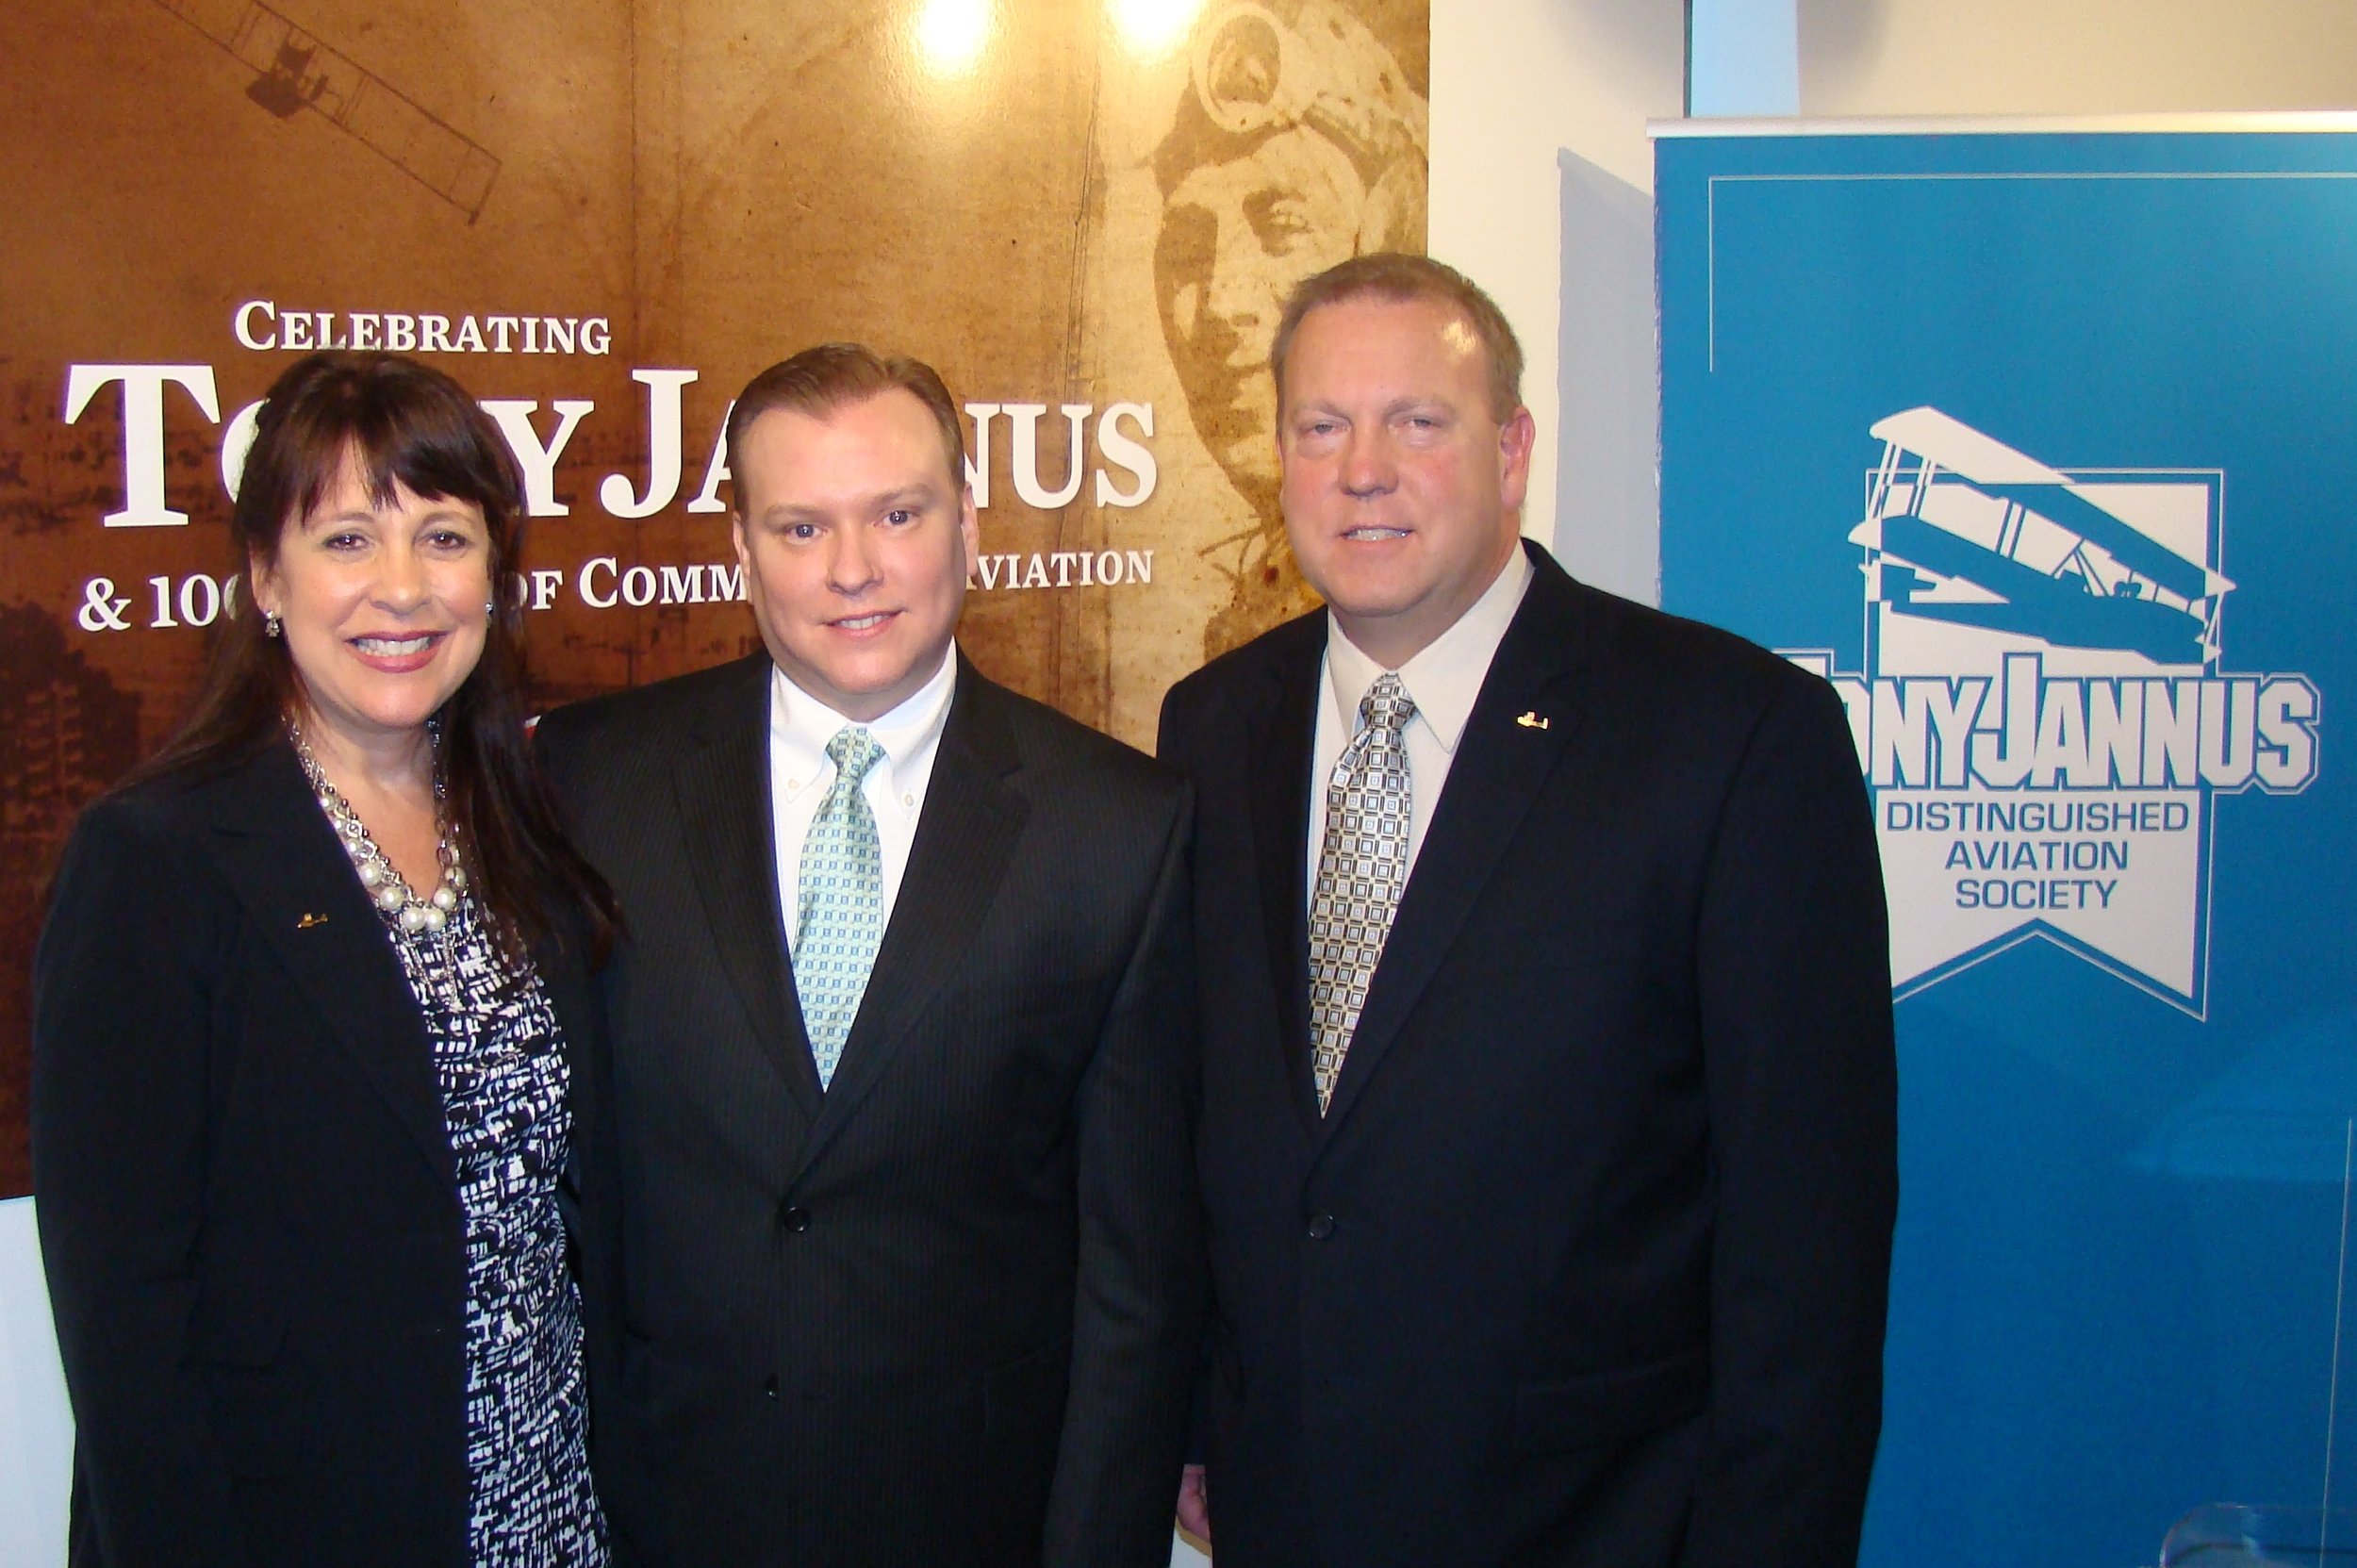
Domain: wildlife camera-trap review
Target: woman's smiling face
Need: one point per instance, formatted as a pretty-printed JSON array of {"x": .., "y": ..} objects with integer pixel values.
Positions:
[{"x": 385, "y": 603}]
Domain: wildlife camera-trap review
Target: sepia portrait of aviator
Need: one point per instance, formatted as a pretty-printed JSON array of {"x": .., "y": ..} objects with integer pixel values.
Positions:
[{"x": 1298, "y": 143}]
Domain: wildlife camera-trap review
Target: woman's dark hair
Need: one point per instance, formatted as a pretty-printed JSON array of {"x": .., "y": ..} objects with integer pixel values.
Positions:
[{"x": 395, "y": 420}]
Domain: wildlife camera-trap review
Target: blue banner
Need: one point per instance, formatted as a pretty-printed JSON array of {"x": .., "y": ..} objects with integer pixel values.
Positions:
[{"x": 2042, "y": 448}]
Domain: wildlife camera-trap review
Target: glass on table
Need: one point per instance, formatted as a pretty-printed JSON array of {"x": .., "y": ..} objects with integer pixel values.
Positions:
[{"x": 2235, "y": 1535}]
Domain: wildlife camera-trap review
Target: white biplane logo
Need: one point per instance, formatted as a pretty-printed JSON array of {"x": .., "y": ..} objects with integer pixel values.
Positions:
[{"x": 2044, "y": 717}]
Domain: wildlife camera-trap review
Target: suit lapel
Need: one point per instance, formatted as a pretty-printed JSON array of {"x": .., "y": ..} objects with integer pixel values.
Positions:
[
  {"x": 280, "y": 857},
  {"x": 1281, "y": 741},
  {"x": 973, "y": 815},
  {"x": 1497, "y": 773},
  {"x": 722, "y": 780}
]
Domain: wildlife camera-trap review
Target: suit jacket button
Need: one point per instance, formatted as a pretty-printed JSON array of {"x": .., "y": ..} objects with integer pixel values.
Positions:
[
  {"x": 1321, "y": 1227},
  {"x": 770, "y": 1386},
  {"x": 794, "y": 1217}
]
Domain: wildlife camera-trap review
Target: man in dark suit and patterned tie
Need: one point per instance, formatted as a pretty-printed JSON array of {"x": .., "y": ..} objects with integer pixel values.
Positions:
[
  {"x": 1548, "y": 1121},
  {"x": 905, "y": 1263}
]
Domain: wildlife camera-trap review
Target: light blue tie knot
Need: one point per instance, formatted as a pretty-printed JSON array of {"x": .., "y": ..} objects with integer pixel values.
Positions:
[
  {"x": 853, "y": 752},
  {"x": 839, "y": 914}
]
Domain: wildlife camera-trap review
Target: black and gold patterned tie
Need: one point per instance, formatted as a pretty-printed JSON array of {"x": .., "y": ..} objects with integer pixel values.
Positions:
[{"x": 1362, "y": 865}]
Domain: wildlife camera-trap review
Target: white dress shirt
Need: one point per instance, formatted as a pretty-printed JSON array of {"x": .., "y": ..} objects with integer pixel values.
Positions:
[
  {"x": 1443, "y": 680},
  {"x": 802, "y": 773}
]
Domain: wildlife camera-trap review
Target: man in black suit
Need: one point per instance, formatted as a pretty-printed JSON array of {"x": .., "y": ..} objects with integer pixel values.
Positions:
[
  {"x": 907, "y": 1268},
  {"x": 1548, "y": 1145}
]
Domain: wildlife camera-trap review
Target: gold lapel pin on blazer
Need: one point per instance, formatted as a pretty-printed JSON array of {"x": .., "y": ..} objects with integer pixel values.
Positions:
[
  {"x": 1531, "y": 721},
  {"x": 311, "y": 920}
]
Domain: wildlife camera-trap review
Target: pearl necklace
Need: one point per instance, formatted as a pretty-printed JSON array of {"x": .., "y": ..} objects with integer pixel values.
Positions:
[{"x": 387, "y": 889}]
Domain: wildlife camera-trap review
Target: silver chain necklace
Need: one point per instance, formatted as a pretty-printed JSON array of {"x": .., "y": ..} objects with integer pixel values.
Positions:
[{"x": 388, "y": 889}]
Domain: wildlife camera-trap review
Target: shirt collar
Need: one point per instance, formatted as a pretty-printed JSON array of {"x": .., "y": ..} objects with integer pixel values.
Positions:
[
  {"x": 800, "y": 725},
  {"x": 1445, "y": 676}
]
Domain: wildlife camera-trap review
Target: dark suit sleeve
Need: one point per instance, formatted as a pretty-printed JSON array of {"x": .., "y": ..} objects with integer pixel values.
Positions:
[
  {"x": 1137, "y": 1317},
  {"x": 1173, "y": 742},
  {"x": 122, "y": 1057},
  {"x": 1793, "y": 971}
]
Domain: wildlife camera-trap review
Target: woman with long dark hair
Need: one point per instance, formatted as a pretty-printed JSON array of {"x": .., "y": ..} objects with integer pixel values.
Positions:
[{"x": 312, "y": 1045}]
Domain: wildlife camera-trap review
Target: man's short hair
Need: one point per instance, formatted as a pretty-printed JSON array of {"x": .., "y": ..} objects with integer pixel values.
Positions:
[
  {"x": 820, "y": 380},
  {"x": 1400, "y": 277}
]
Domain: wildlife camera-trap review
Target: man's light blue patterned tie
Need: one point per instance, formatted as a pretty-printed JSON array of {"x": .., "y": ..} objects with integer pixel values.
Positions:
[
  {"x": 1362, "y": 865},
  {"x": 840, "y": 919}
]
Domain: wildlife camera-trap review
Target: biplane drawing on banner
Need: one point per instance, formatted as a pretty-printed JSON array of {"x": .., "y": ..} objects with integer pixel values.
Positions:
[{"x": 2048, "y": 716}]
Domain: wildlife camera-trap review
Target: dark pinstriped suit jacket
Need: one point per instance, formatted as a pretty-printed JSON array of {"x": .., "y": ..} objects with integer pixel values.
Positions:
[
  {"x": 1584, "y": 1264},
  {"x": 946, "y": 1313}
]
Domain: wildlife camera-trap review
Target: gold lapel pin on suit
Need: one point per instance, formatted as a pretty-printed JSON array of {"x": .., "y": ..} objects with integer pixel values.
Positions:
[
  {"x": 311, "y": 920},
  {"x": 1531, "y": 721}
]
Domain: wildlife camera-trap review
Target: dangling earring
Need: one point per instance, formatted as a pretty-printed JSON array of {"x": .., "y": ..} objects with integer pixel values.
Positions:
[{"x": 271, "y": 625}]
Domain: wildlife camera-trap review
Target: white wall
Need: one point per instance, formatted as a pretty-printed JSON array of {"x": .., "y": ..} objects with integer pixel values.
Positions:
[
  {"x": 1514, "y": 82},
  {"x": 36, "y": 1433},
  {"x": 1608, "y": 493},
  {"x": 2083, "y": 57}
]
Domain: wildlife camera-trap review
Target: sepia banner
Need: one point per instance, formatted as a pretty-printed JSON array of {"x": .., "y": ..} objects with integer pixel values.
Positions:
[{"x": 603, "y": 217}]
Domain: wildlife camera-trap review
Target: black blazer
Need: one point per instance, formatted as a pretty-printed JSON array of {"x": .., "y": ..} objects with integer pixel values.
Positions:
[
  {"x": 248, "y": 1206},
  {"x": 947, "y": 1312},
  {"x": 1587, "y": 1263}
]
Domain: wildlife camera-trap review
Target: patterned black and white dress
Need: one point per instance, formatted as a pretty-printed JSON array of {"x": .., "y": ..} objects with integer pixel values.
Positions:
[{"x": 500, "y": 1059}]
